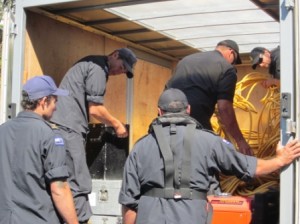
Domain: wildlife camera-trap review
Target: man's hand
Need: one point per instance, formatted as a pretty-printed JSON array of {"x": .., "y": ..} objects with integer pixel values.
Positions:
[
  {"x": 288, "y": 153},
  {"x": 121, "y": 130},
  {"x": 270, "y": 82},
  {"x": 129, "y": 215},
  {"x": 284, "y": 156}
]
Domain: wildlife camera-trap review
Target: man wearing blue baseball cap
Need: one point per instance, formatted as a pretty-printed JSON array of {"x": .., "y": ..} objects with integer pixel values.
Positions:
[
  {"x": 86, "y": 81},
  {"x": 33, "y": 172}
]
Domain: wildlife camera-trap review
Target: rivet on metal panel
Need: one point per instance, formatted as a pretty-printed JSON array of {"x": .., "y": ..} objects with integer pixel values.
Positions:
[
  {"x": 105, "y": 220},
  {"x": 103, "y": 194},
  {"x": 119, "y": 220}
]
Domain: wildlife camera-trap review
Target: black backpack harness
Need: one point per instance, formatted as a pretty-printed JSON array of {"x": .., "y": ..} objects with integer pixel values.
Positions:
[{"x": 177, "y": 182}]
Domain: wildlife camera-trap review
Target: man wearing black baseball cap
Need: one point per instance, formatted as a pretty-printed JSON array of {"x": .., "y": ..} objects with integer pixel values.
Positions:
[
  {"x": 264, "y": 58},
  {"x": 129, "y": 60},
  {"x": 86, "y": 81},
  {"x": 233, "y": 46},
  {"x": 208, "y": 79},
  {"x": 168, "y": 172}
]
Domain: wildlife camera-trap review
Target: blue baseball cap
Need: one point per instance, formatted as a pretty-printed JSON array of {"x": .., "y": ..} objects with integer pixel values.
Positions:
[{"x": 41, "y": 86}]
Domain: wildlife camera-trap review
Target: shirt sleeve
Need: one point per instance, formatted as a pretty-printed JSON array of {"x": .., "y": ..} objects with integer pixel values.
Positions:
[
  {"x": 95, "y": 84},
  {"x": 130, "y": 190},
  {"x": 54, "y": 157},
  {"x": 231, "y": 162},
  {"x": 226, "y": 85}
]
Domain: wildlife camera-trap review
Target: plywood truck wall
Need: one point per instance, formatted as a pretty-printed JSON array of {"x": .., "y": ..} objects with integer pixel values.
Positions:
[{"x": 52, "y": 47}]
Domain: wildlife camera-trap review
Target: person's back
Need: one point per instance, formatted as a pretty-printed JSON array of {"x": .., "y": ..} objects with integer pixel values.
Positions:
[
  {"x": 205, "y": 149},
  {"x": 204, "y": 78},
  {"x": 23, "y": 188},
  {"x": 169, "y": 171}
]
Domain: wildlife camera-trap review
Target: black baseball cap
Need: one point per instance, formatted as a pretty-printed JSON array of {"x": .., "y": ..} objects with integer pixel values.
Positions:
[
  {"x": 233, "y": 45},
  {"x": 256, "y": 56},
  {"x": 173, "y": 100},
  {"x": 129, "y": 60}
]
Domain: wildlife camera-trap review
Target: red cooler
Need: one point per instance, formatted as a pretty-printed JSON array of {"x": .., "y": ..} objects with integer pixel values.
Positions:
[{"x": 231, "y": 209}]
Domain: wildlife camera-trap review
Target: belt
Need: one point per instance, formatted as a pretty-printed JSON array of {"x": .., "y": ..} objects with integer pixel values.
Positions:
[{"x": 182, "y": 193}]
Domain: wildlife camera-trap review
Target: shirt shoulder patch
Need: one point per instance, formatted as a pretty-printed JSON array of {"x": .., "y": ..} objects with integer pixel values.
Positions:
[
  {"x": 226, "y": 142},
  {"x": 59, "y": 141}
]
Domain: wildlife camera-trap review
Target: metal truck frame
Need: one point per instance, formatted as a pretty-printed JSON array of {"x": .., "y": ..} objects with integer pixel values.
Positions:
[{"x": 13, "y": 65}]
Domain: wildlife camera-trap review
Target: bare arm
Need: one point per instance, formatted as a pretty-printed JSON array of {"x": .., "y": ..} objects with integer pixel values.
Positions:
[
  {"x": 63, "y": 201},
  {"x": 228, "y": 118},
  {"x": 284, "y": 156},
  {"x": 101, "y": 113},
  {"x": 271, "y": 82},
  {"x": 129, "y": 215}
]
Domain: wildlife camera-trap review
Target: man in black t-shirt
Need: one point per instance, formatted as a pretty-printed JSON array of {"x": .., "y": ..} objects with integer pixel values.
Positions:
[{"x": 209, "y": 79}]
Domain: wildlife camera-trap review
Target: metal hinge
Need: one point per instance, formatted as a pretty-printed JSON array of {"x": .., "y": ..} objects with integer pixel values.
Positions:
[
  {"x": 291, "y": 127},
  {"x": 289, "y": 4}
]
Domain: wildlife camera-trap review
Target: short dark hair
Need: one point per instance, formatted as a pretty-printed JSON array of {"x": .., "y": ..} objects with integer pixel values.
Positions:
[{"x": 28, "y": 104}]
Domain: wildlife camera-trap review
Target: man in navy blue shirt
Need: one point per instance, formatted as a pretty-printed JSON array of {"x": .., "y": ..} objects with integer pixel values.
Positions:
[{"x": 33, "y": 171}]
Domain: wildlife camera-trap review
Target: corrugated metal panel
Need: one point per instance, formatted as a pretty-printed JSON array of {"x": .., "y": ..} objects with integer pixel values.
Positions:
[{"x": 180, "y": 27}]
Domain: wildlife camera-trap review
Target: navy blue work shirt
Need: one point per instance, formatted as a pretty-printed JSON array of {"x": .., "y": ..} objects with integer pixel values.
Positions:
[{"x": 32, "y": 155}]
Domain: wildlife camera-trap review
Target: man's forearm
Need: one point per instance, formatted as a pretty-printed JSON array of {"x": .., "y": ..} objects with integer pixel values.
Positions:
[
  {"x": 228, "y": 119},
  {"x": 285, "y": 155},
  {"x": 63, "y": 201},
  {"x": 129, "y": 215},
  {"x": 102, "y": 114},
  {"x": 267, "y": 166}
]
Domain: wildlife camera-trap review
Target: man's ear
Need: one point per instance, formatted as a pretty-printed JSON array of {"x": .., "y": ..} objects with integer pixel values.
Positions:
[
  {"x": 43, "y": 101},
  {"x": 160, "y": 112},
  {"x": 188, "y": 109},
  {"x": 116, "y": 54},
  {"x": 268, "y": 53}
]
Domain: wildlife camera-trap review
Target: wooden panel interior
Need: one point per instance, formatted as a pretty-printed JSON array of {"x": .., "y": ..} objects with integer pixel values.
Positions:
[
  {"x": 149, "y": 83},
  {"x": 54, "y": 49}
]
